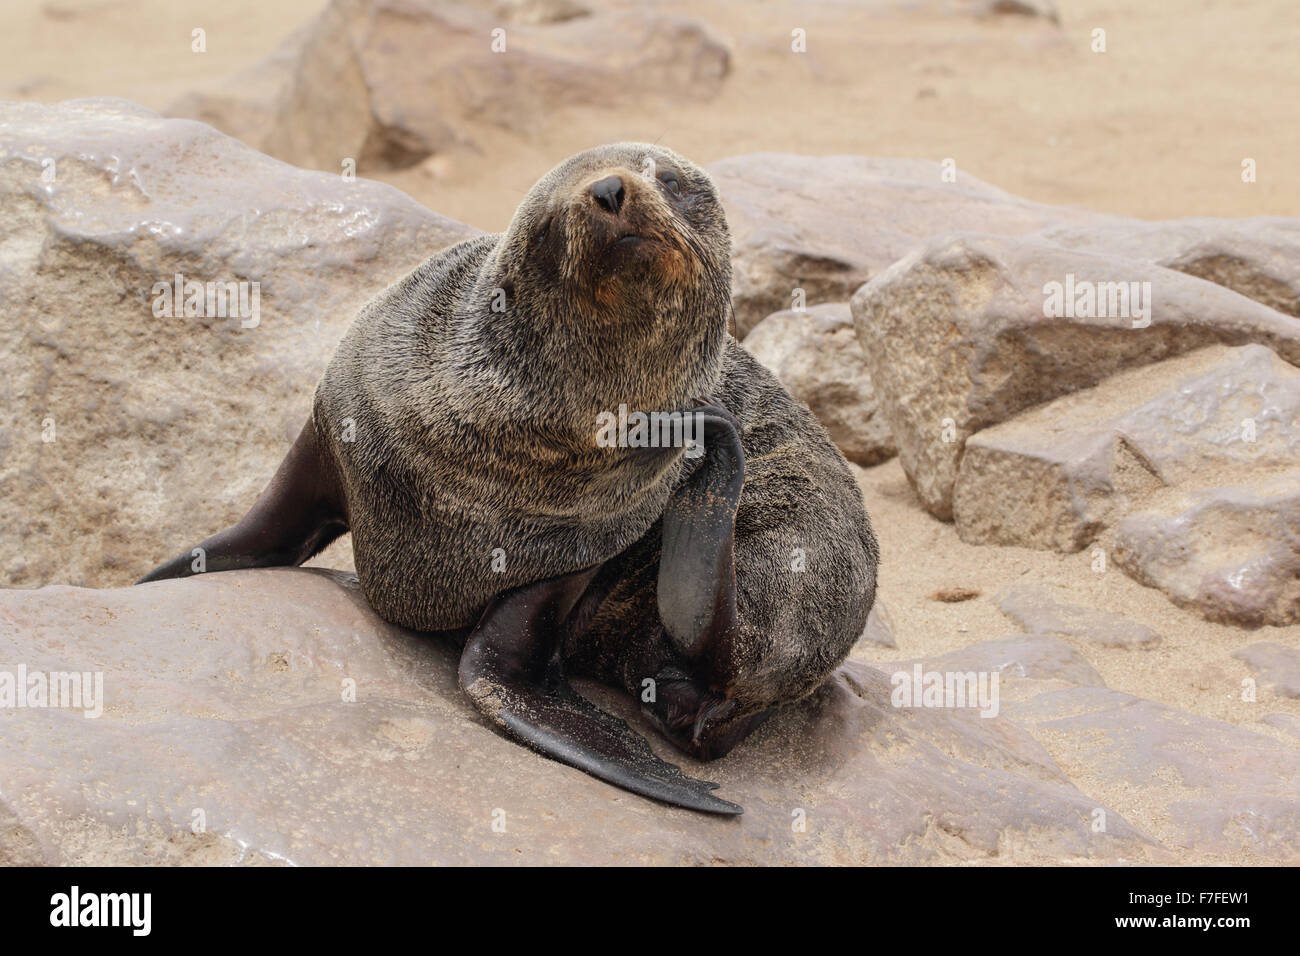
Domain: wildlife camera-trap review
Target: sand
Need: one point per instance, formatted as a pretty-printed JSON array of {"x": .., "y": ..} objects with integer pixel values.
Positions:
[
  {"x": 1191, "y": 669},
  {"x": 1155, "y": 127}
]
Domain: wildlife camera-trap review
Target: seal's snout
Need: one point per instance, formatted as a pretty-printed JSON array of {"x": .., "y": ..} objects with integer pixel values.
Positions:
[
  {"x": 636, "y": 227},
  {"x": 609, "y": 194}
]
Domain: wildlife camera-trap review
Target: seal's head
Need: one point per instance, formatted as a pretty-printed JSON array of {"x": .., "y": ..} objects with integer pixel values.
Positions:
[{"x": 625, "y": 233}]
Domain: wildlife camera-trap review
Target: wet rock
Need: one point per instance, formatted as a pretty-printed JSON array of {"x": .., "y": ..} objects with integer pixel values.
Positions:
[
  {"x": 128, "y": 432},
  {"x": 269, "y": 717},
  {"x": 815, "y": 354}
]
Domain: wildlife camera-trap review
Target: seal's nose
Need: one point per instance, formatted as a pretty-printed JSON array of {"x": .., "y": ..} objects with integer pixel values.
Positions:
[{"x": 608, "y": 194}]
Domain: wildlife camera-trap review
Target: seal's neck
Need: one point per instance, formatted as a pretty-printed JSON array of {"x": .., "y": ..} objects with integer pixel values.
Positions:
[{"x": 565, "y": 374}]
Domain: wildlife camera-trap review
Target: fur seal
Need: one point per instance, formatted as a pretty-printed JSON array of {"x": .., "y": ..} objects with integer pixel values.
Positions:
[{"x": 457, "y": 433}]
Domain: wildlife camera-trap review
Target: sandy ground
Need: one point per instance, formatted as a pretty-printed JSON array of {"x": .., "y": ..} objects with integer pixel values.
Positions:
[
  {"x": 1156, "y": 127},
  {"x": 1191, "y": 669}
]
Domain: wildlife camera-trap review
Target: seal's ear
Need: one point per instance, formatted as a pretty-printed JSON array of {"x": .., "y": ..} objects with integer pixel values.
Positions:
[
  {"x": 697, "y": 571},
  {"x": 511, "y": 669},
  {"x": 300, "y": 512}
]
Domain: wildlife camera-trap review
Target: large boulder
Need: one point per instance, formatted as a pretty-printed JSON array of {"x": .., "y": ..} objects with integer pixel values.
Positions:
[
  {"x": 827, "y": 224},
  {"x": 816, "y": 355},
  {"x": 129, "y": 433},
  {"x": 968, "y": 330},
  {"x": 387, "y": 83},
  {"x": 270, "y": 717},
  {"x": 1059, "y": 474}
]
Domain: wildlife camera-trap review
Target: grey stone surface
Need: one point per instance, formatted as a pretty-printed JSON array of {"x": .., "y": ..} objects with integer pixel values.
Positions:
[
  {"x": 1277, "y": 666},
  {"x": 225, "y": 701},
  {"x": 1231, "y": 553},
  {"x": 1204, "y": 786}
]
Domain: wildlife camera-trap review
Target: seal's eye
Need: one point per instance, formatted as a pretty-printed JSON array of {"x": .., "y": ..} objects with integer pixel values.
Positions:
[
  {"x": 542, "y": 231},
  {"x": 671, "y": 182}
]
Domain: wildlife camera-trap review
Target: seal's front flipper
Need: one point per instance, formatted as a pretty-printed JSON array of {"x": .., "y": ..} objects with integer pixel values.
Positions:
[
  {"x": 300, "y": 512},
  {"x": 693, "y": 705},
  {"x": 511, "y": 670},
  {"x": 697, "y": 571}
]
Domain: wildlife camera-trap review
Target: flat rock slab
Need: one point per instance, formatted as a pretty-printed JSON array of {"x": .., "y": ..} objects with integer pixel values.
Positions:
[
  {"x": 1058, "y": 475},
  {"x": 1230, "y": 553},
  {"x": 816, "y": 355},
  {"x": 226, "y": 704},
  {"x": 131, "y": 430},
  {"x": 1288, "y": 723},
  {"x": 1033, "y": 658},
  {"x": 1201, "y": 786},
  {"x": 1277, "y": 666},
  {"x": 1033, "y": 607}
]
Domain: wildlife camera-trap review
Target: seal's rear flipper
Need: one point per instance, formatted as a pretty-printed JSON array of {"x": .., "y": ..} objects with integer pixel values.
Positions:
[
  {"x": 510, "y": 669},
  {"x": 299, "y": 513}
]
